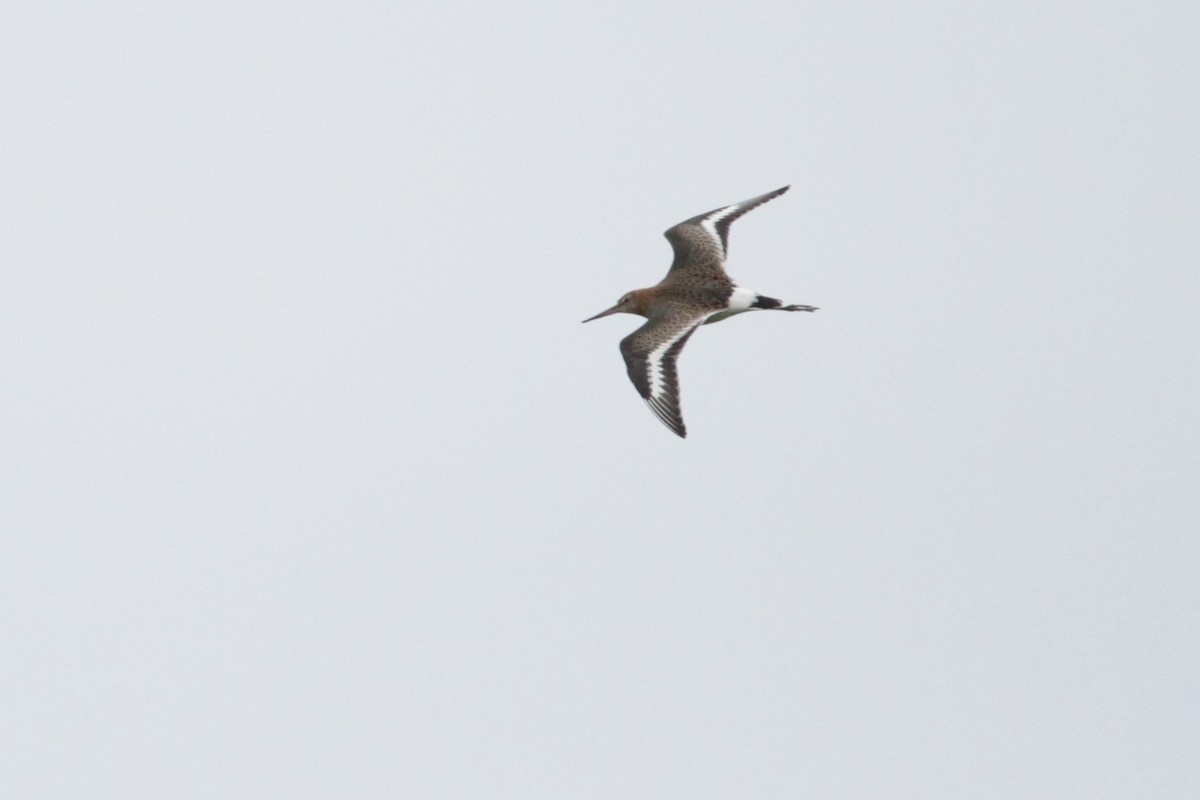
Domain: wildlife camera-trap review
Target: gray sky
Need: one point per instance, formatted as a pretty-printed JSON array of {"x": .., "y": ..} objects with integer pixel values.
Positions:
[{"x": 314, "y": 486}]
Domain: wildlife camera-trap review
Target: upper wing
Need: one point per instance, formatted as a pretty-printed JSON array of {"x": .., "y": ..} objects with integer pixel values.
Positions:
[
  {"x": 702, "y": 242},
  {"x": 650, "y": 353}
]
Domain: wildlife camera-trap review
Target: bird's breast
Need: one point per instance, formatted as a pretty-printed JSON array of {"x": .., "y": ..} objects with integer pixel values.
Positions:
[{"x": 699, "y": 298}]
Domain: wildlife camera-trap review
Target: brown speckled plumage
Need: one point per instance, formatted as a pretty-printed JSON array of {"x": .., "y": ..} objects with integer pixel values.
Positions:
[{"x": 695, "y": 291}]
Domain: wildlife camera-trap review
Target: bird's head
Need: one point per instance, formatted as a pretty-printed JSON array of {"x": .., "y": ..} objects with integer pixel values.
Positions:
[{"x": 635, "y": 302}]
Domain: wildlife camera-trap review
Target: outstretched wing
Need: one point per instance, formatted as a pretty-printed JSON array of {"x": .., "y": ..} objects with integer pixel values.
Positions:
[
  {"x": 702, "y": 242},
  {"x": 650, "y": 353}
]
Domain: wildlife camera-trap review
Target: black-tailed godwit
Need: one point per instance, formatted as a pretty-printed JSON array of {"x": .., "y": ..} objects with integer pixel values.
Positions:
[{"x": 695, "y": 292}]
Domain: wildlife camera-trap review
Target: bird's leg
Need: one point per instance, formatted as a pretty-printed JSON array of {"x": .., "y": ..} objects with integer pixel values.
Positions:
[{"x": 798, "y": 308}]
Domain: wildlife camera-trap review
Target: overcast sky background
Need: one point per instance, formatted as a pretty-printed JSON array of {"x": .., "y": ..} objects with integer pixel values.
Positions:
[{"x": 314, "y": 486}]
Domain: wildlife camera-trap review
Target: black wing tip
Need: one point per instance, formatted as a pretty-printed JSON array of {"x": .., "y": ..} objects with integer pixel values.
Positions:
[
  {"x": 668, "y": 416},
  {"x": 679, "y": 429},
  {"x": 764, "y": 198}
]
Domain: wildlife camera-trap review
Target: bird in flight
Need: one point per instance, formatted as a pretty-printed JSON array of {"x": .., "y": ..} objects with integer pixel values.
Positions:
[{"x": 695, "y": 292}]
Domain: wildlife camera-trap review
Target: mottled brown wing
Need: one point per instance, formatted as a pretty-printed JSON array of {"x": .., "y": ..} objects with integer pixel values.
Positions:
[
  {"x": 650, "y": 353},
  {"x": 702, "y": 242}
]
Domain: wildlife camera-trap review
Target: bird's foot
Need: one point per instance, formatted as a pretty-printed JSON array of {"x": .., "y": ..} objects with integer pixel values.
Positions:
[{"x": 799, "y": 308}]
